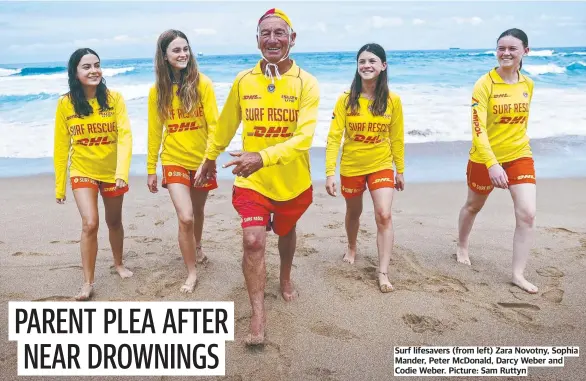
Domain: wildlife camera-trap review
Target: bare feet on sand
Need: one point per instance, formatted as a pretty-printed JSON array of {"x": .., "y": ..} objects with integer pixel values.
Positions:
[
  {"x": 123, "y": 271},
  {"x": 257, "y": 331},
  {"x": 86, "y": 292},
  {"x": 189, "y": 284},
  {"x": 200, "y": 257},
  {"x": 350, "y": 255},
  {"x": 462, "y": 256},
  {"x": 383, "y": 283},
  {"x": 524, "y": 285},
  {"x": 288, "y": 291}
]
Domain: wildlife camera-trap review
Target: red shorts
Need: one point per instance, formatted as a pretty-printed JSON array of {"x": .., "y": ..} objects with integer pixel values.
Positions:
[
  {"x": 518, "y": 171},
  {"x": 106, "y": 189},
  {"x": 174, "y": 174},
  {"x": 255, "y": 209},
  {"x": 355, "y": 185}
]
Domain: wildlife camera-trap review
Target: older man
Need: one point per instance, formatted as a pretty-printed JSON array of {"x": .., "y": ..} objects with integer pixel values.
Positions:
[{"x": 277, "y": 103}]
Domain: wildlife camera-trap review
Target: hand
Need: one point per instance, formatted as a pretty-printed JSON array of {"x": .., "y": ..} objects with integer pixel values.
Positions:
[
  {"x": 498, "y": 176},
  {"x": 152, "y": 183},
  {"x": 399, "y": 182},
  {"x": 61, "y": 200},
  {"x": 246, "y": 163},
  {"x": 205, "y": 172},
  {"x": 120, "y": 183},
  {"x": 331, "y": 185}
]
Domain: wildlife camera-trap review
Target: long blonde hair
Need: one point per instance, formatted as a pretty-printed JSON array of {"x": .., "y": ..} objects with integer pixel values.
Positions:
[{"x": 187, "y": 83}]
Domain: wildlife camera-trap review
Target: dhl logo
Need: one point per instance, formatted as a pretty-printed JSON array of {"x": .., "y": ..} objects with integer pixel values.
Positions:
[
  {"x": 521, "y": 177},
  {"x": 98, "y": 141},
  {"x": 368, "y": 139},
  {"x": 271, "y": 132},
  {"x": 510, "y": 120},
  {"x": 501, "y": 96},
  {"x": 110, "y": 189},
  {"x": 254, "y": 96},
  {"x": 185, "y": 126},
  {"x": 382, "y": 180}
]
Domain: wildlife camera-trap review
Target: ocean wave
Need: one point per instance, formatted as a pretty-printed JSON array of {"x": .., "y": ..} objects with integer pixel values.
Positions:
[
  {"x": 554, "y": 69},
  {"x": 533, "y": 53},
  {"x": 430, "y": 116},
  {"x": 40, "y": 70},
  {"x": 7, "y": 72},
  {"x": 573, "y": 54}
]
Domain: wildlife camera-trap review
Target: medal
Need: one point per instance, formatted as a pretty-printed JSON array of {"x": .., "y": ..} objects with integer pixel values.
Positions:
[{"x": 271, "y": 88}]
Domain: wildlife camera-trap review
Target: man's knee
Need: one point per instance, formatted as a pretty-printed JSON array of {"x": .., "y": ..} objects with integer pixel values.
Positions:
[{"x": 253, "y": 242}]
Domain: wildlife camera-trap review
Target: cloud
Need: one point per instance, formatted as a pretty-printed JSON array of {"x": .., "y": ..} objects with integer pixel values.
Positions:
[
  {"x": 317, "y": 27},
  {"x": 205, "y": 32},
  {"x": 382, "y": 22},
  {"x": 418, "y": 22},
  {"x": 471, "y": 20}
]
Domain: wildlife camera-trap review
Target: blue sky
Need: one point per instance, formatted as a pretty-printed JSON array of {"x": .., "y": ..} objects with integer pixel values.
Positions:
[{"x": 50, "y": 31}]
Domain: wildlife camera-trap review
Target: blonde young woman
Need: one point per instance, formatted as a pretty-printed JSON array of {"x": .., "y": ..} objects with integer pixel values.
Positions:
[{"x": 183, "y": 115}]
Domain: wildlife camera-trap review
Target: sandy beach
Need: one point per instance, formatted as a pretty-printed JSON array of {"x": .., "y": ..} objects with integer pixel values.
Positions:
[{"x": 341, "y": 327}]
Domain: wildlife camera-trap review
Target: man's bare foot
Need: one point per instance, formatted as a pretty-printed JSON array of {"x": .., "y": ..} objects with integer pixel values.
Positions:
[
  {"x": 189, "y": 284},
  {"x": 257, "y": 331},
  {"x": 86, "y": 292},
  {"x": 462, "y": 256},
  {"x": 123, "y": 271},
  {"x": 524, "y": 285},
  {"x": 288, "y": 291},
  {"x": 200, "y": 257},
  {"x": 383, "y": 283},
  {"x": 350, "y": 255}
]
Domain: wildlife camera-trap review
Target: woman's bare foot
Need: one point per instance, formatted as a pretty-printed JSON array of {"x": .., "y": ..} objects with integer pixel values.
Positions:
[
  {"x": 462, "y": 256},
  {"x": 257, "y": 331},
  {"x": 86, "y": 292},
  {"x": 524, "y": 285},
  {"x": 350, "y": 255},
  {"x": 200, "y": 257},
  {"x": 383, "y": 283},
  {"x": 123, "y": 271},
  {"x": 189, "y": 284},
  {"x": 288, "y": 291}
]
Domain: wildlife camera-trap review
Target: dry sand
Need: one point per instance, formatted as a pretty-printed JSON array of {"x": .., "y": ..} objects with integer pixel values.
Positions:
[{"x": 341, "y": 327}]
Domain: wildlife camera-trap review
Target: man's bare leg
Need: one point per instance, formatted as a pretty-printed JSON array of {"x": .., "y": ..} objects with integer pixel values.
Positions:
[
  {"x": 287, "y": 245},
  {"x": 254, "y": 269}
]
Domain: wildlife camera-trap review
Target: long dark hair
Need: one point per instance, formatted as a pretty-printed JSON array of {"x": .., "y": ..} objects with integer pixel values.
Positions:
[
  {"x": 518, "y": 34},
  {"x": 164, "y": 75},
  {"x": 379, "y": 106},
  {"x": 76, "y": 94}
]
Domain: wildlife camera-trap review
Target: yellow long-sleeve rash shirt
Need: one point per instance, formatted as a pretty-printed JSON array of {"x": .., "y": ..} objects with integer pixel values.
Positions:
[
  {"x": 279, "y": 125},
  {"x": 99, "y": 146},
  {"x": 500, "y": 113},
  {"x": 187, "y": 136},
  {"x": 371, "y": 143}
]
